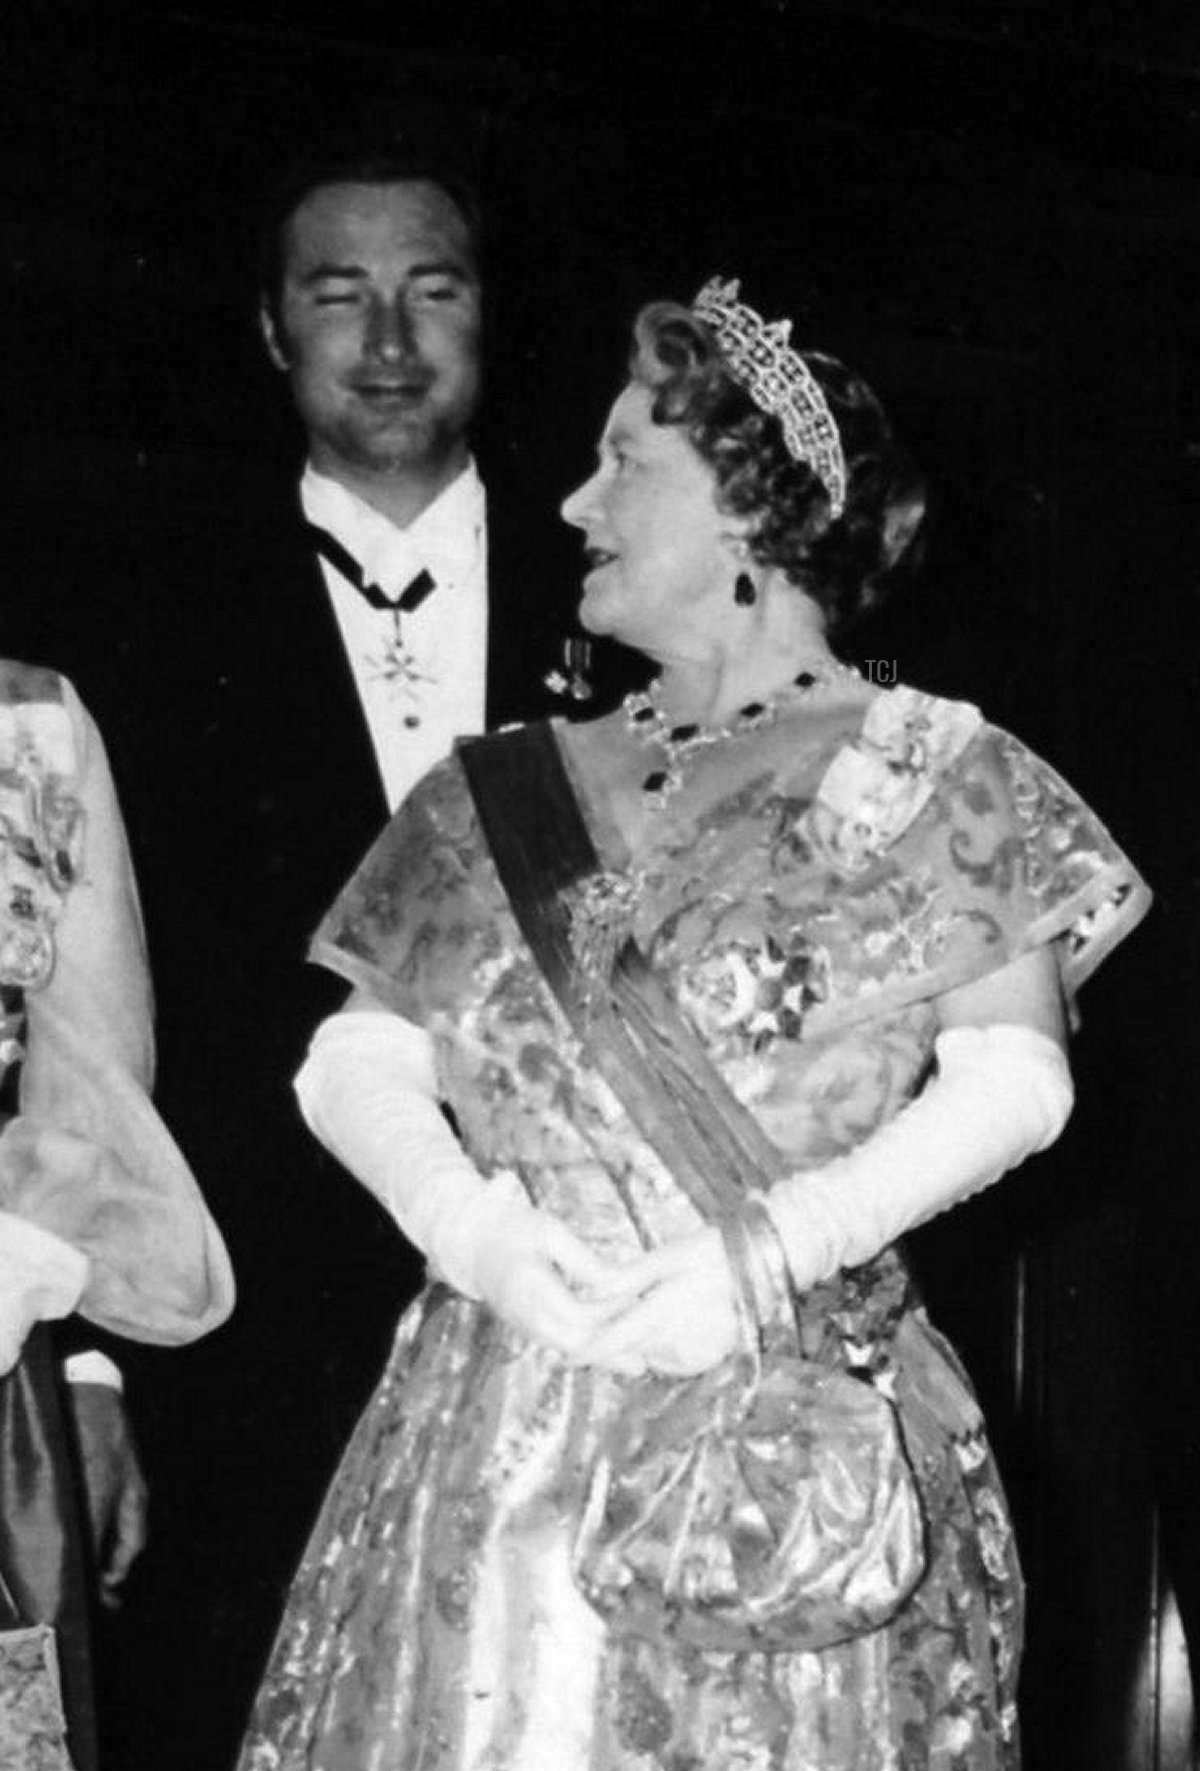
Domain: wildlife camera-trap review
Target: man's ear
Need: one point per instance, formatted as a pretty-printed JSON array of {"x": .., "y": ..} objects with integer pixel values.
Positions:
[{"x": 272, "y": 336}]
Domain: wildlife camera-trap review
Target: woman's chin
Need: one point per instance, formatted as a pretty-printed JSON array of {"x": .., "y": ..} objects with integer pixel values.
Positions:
[{"x": 594, "y": 612}]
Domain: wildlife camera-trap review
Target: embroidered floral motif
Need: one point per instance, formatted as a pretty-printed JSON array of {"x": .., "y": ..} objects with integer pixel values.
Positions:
[
  {"x": 1067, "y": 855},
  {"x": 995, "y": 1535},
  {"x": 876, "y": 785},
  {"x": 32, "y": 1723},
  {"x": 763, "y": 992},
  {"x": 41, "y": 831},
  {"x": 901, "y": 926}
]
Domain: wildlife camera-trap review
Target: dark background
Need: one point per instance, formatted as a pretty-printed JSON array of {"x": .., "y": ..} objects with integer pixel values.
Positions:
[{"x": 994, "y": 211}]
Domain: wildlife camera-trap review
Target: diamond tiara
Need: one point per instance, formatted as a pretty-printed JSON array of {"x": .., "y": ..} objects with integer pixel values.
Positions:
[{"x": 759, "y": 354}]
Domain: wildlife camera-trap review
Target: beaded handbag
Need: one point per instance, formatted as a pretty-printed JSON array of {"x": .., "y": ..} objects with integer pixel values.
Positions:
[{"x": 767, "y": 1503}]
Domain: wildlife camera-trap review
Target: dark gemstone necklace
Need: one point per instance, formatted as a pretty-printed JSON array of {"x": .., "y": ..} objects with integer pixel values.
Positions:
[{"x": 677, "y": 743}]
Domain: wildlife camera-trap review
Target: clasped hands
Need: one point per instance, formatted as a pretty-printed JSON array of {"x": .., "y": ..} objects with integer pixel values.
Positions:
[{"x": 672, "y": 1310}]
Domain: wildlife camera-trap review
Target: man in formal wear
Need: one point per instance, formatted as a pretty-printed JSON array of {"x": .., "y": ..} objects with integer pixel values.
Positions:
[
  {"x": 334, "y": 637},
  {"x": 306, "y": 650},
  {"x": 373, "y": 312}
]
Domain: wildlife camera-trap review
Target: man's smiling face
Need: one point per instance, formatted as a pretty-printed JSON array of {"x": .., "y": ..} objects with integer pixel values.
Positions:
[{"x": 377, "y": 327}]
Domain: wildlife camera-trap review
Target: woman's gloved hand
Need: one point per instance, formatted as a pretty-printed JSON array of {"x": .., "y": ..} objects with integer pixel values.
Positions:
[
  {"x": 528, "y": 1267},
  {"x": 368, "y": 1089},
  {"x": 674, "y": 1310}
]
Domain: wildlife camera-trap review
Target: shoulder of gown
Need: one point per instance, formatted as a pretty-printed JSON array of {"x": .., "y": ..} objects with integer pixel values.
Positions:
[{"x": 928, "y": 799}]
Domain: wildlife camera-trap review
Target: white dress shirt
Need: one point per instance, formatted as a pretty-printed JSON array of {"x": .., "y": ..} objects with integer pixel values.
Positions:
[{"x": 421, "y": 677}]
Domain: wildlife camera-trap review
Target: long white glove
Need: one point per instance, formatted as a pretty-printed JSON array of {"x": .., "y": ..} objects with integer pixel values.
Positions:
[
  {"x": 42, "y": 1277},
  {"x": 368, "y": 1090},
  {"x": 1000, "y": 1094}
]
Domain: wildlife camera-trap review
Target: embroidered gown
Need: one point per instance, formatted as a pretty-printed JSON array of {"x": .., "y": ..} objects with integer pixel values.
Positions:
[{"x": 806, "y": 895}]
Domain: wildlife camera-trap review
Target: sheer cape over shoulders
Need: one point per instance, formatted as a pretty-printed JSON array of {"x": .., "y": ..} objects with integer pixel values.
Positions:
[
  {"x": 912, "y": 848},
  {"x": 87, "y": 1156}
]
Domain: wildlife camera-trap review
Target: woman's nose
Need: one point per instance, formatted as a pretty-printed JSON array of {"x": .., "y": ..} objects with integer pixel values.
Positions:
[{"x": 577, "y": 505}]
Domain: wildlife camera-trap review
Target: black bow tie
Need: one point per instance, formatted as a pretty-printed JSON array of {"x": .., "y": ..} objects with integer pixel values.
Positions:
[{"x": 410, "y": 598}]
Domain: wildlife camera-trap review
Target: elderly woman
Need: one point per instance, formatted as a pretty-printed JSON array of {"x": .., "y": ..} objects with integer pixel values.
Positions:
[
  {"x": 726, "y": 991},
  {"x": 99, "y": 1213}
]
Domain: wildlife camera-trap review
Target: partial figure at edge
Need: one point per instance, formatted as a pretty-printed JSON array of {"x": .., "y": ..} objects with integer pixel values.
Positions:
[{"x": 99, "y": 1213}]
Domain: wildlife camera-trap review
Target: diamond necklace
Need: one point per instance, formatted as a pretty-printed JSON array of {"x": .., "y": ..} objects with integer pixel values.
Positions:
[{"x": 644, "y": 717}]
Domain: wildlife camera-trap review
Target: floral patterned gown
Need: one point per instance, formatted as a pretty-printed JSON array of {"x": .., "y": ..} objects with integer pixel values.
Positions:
[{"x": 806, "y": 895}]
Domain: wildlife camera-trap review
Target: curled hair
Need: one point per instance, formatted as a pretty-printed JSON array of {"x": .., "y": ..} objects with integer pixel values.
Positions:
[{"x": 842, "y": 564}]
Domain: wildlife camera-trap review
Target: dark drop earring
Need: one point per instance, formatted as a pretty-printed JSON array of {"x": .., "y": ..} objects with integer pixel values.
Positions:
[{"x": 745, "y": 592}]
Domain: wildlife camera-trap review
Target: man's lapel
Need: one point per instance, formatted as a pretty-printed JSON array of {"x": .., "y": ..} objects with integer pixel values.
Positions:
[
  {"x": 320, "y": 799},
  {"x": 316, "y": 653}
]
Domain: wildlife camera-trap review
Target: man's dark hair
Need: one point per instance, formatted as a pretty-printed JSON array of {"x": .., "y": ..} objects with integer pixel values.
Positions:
[{"x": 374, "y": 165}]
